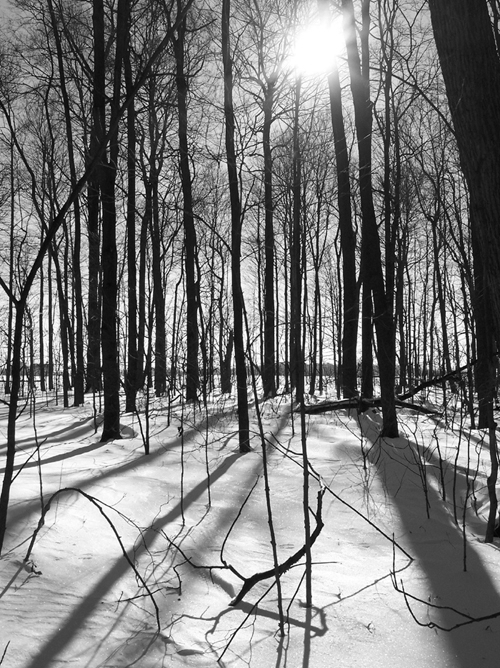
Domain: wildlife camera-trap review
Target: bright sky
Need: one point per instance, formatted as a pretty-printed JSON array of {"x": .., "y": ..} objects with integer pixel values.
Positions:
[{"x": 317, "y": 45}]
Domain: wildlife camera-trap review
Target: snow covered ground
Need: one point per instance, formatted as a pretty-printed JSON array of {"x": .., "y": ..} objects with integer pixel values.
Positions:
[{"x": 194, "y": 504}]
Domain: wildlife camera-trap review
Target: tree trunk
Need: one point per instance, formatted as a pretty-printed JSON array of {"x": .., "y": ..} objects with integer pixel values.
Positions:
[
  {"x": 79, "y": 374},
  {"x": 296, "y": 352},
  {"x": 268, "y": 370},
  {"x": 471, "y": 69},
  {"x": 190, "y": 242},
  {"x": 238, "y": 304},
  {"x": 132, "y": 373},
  {"x": 107, "y": 177},
  {"x": 350, "y": 293},
  {"x": 360, "y": 88}
]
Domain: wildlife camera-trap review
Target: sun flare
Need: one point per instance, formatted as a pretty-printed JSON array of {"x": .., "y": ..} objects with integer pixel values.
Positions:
[{"x": 317, "y": 45}]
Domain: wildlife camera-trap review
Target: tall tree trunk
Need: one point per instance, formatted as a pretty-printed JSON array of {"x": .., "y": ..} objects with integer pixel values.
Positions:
[
  {"x": 160, "y": 371},
  {"x": 471, "y": 69},
  {"x": 296, "y": 352},
  {"x": 63, "y": 325},
  {"x": 485, "y": 342},
  {"x": 268, "y": 370},
  {"x": 190, "y": 242},
  {"x": 132, "y": 373},
  {"x": 347, "y": 236},
  {"x": 94, "y": 192},
  {"x": 79, "y": 388},
  {"x": 107, "y": 178},
  {"x": 238, "y": 304},
  {"x": 142, "y": 301},
  {"x": 41, "y": 327},
  {"x": 360, "y": 88}
]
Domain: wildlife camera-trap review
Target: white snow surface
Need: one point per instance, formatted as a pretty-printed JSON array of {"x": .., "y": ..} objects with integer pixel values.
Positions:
[{"x": 195, "y": 506}]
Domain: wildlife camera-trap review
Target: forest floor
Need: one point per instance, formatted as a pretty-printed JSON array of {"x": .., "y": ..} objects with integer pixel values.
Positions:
[{"x": 407, "y": 512}]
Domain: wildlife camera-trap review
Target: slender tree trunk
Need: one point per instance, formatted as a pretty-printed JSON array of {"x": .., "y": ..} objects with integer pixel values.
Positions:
[
  {"x": 238, "y": 304},
  {"x": 268, "y": 370},
  {"x": 63, "y": 326},
  {"x": 190, "y": 241},
  {"x": 160, "y": 371},
  {"x": 132, "y": 373},
  {"x": 41, "y": 333},
  {"x": 296, "y": 352},
  {"x": 17, "y": 340},
  {"x": 347, "y": 236},
  {"x": 142, "y": 301}
]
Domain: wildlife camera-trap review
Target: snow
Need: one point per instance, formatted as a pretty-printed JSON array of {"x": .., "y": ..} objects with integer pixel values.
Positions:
[{"x": 195, "y": 503}]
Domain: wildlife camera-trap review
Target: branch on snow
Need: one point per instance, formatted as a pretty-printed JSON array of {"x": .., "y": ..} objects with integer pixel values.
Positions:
[
  {"x": 95, "y": 502},
  {"x": 467, "y": 619},
  {"x": 250, "y": 582},
  {"x": 362, "y": 405}
]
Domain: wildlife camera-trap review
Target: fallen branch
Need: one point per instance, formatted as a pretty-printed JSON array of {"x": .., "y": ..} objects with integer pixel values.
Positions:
[
  {"x": 250, "y": 582},
  {"x": 434, "y": 625},
  {"x": 362, "y": 405},
  {"x": 437, "y": 380}
]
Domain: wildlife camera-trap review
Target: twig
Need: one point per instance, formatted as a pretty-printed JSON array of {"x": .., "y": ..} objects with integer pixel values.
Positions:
[{"x": 4, "y": 652}]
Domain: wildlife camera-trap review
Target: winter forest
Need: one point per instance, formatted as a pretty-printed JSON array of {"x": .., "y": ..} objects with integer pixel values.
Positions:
[{"x": 250, "y": 310}]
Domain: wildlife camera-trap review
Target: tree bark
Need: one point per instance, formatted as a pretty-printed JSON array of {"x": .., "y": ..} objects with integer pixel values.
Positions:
[
  {"x": 268, "y": 370},
  {"x": 190, "y": 241},
  {"x": 471, "y": 70},
  {"x": 238, "y": 304},
  {"x": 107, "y": 177},
  {"x": 350, "y": 293},
  {"x": 132, "y": 372},
  {"x": 371, "y": 253},
  {"x": 296, "y": 351}
]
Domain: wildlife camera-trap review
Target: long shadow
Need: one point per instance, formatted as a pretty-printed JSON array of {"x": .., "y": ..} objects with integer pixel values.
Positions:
[
  {"x": 438, "y": 545},
  {"x": 73, "y": 623},
  {"x": 21, "y": 511},
  {"x": 33, "y": 463},
  {"x": 70, "y": 454},
  {"x": 70, "y": 627},
  {"x": 75, "y": 430}
]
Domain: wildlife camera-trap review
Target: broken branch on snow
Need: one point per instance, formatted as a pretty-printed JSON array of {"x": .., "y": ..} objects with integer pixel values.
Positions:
[{"x": 250, "y": 582}]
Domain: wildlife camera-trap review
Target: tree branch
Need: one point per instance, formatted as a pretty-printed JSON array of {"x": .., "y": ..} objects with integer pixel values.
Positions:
[{"x": 286, "y": 565}]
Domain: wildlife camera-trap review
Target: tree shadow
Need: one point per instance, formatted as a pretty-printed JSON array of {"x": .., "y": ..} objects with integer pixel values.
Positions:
[
  {"x": 86, "y": 607},
  {"x": 438, "y": 544},
  {"x": 256, "y": 610},
  {"x": 74, "y": 430},
  {"x": 69, "y": 628},
  {"x": 23, "y": 510}
]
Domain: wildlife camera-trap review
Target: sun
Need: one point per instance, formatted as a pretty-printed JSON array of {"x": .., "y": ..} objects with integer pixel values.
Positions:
[{"x": 317, "y": 45}]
